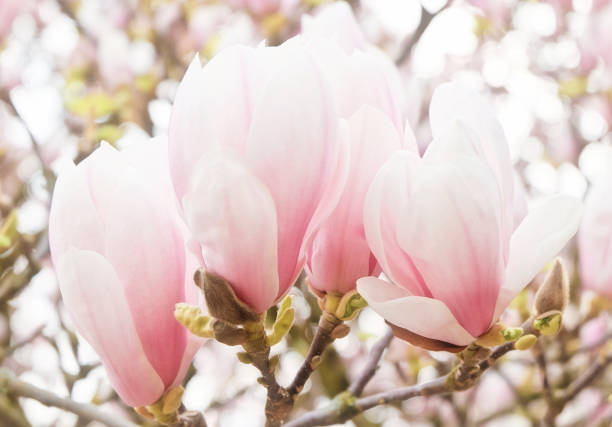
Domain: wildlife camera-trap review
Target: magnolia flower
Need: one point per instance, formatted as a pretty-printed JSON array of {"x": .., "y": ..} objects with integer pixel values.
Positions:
[
  {"x": 339, "y": 254},
  {"x": 596, "y": 42},
  {"x": 359, "y": 73},
  {"x": 335, "y": 21},
  {"x": 258, "y": 7},
  {"x": 595, "y": 239},
  {"x": 256, "y": 160},
  {"x": 119, "y": 253},
  {"x": 9, "y": 9},
  {"x": 442, "y": 227}
]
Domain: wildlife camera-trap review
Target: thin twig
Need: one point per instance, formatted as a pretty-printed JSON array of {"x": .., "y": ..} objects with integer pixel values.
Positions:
[
  {"x": 345, "y": 406},
  {"x": 323, "y": 338},
  {"x": 559, "y": 401},
  {"x": 344, "y": 410},
  {"x": 409, "y": 44},
  {"x": 371, "y": 365},
  {"x": 16, "y": 387}
]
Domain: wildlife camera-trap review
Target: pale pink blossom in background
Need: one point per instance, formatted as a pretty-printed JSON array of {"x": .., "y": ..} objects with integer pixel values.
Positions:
[
  {"x": 336, "y": 22},
  {"x": 257, "y": 161},
  {"x": 9, "y": 9},
  {"x": 359, "y": 73},
  {"x": 442, "y": 227},
  {"x": 498, "y": 12},
  {"x": 595, "y": 239},
  {"x": 593, "y": 332},
  {"x": 596, "y": 42},
  {"x": 259, "y": 7},
  {"x": 118, "y": 247}
]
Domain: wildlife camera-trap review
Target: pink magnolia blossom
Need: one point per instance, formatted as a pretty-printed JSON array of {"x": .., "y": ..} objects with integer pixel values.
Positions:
[
  {"x": 595, "y": 239},
  {"x": 596, "y": 42},
  {"x": 258, "y": 7},
  {"x": 9, "y": 9},
  {"x": 369, "y": 95},
  {"x": 257, "y": 163},
  {"x": 339, "y": 254},
  {"x": 119, "y": 252},
  {"x": 335, "y": 21},
  {"x": 442, "y": 227}
]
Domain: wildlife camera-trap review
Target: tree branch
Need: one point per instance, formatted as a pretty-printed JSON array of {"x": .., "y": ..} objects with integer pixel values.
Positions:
[
  {"x": 345, "y": 406},
  {"x": 12, "y": 385},
  {"x": 371, "y": 365},
  {"x": 323, "y": 337}
]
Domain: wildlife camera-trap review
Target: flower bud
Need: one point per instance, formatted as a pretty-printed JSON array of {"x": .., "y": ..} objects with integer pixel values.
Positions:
[
  {"x": 554, "y": 292},
  {"x": 548, "y": 323},
  {"x": 222, "y": 302},
  {"x": 525, "y": 342}
]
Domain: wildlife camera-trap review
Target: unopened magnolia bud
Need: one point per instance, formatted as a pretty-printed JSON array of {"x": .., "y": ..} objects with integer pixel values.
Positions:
[
  {"x": 512, "y": 334},
  {"x": 493, "y": 337},
  {"x": 228, "y": 334},
  {"x": 222, "y": 301},
  {"x": 349, "y": 306},
  {"x": 548, "y": 323},
  {"x": 554, "y": 292},
  {"x": 525, "y": 342},
  {"x": 191, "y": 317}
]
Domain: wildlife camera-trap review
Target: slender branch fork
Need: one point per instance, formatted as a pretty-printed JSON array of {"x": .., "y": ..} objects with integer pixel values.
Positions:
[{"x": 12, "y": 385}]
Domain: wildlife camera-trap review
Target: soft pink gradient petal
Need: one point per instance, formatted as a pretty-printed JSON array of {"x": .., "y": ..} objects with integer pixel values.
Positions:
[
  {"x": 452, "y": 102},
  {"x": 427, "y": 317},
  {"x": 340, "y": 254},
  {"x": 213, "y": 106},
  {"x": 450, "y": 228},
  {"x": 192, "y": 295},
  {"x": 388, "y": 192},
  {"x": 595, "y": 239},
  {"x": 335, "y": 21},
  {"x": 82, "y": 231},
  {"x": 94, "y": 296},
  {"x": 150, "y": 267},
  {"x": 293, "y": 149},
  {"x": 360, "y": 78},
  {"x": 410, "y": 141},
  {"x": 241, "y": 248},
  {"x": 189, "y": 134},
  {"x": 543, "y": 233}
]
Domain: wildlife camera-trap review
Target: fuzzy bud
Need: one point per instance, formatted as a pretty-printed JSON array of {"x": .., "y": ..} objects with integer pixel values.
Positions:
[
  {"x": 553, "y": 295},
  {"x": 222, "y": 301},
  {"x": 228, "y": 334}
]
